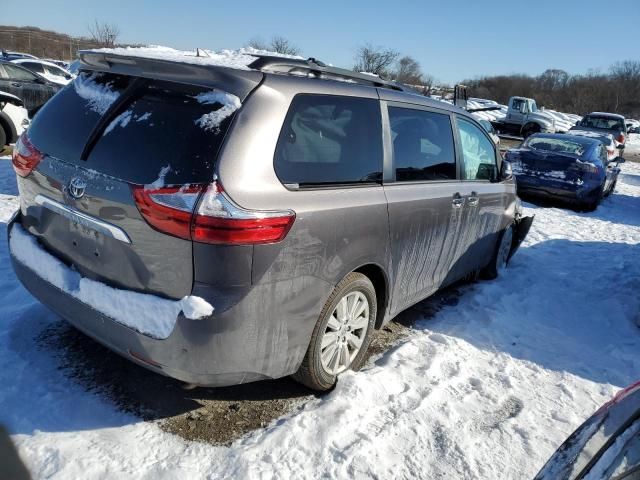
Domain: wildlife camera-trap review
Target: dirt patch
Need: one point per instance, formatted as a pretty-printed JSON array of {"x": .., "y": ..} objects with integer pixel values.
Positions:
[{"x": 214, "y": 415}]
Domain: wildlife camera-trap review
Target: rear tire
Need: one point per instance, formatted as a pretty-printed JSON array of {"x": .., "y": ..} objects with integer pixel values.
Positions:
[
  {"x": 592, "y": 205},
  {"x": 612, "y": 188},
  {"x": 342, "y": 333},
  {"x": 500, "y": 258}
]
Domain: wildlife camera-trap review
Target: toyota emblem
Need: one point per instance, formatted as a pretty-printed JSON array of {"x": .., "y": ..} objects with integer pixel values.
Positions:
[{"x": 77, "y": 187}]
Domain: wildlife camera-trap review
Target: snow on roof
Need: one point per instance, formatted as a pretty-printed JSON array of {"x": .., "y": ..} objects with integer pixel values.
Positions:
[
  {"x": 239, "y": 59},
  {"x": 37, "y": 60},
  {"x": 605, "y": 114}
]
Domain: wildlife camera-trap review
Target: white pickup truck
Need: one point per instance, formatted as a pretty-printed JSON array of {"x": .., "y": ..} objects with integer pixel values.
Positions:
[{"x": 524, "y": 119}]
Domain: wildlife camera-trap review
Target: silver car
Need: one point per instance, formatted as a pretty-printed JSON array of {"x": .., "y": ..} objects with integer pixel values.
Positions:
[{"x": 225, "y": 225}]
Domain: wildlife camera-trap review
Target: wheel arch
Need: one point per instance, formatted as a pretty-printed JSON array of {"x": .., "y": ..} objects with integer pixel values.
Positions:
[
  {"x": 531, "y": 124},
  {"x": 380, "y": 280},
  {"x": 7, "y": 125}
]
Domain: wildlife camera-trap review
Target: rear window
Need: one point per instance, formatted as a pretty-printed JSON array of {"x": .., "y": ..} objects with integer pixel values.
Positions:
[
  {"x": 606, "y": 123},
  {"x": 555, "y": 145},
  {"x": 329, "y": 139},
  {"x": 159, "y": 125}
]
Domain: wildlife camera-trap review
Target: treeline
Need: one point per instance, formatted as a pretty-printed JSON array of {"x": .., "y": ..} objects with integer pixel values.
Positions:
[
  {"x": 617, "y": 90},
  {"x": 59, "y": 46},
  {"x": 42, "y": 43}
]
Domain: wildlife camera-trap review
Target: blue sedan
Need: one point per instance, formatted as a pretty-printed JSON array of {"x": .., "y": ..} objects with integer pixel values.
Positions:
[{"x": 564, "y": 167}]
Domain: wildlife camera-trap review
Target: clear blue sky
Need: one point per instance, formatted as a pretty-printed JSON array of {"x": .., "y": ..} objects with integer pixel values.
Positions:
[{"x": 451, "y": 43}]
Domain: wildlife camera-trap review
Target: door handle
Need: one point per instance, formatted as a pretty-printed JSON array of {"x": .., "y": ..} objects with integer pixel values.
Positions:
[
  {"x": 474, "y": 199},
  {"x": 457, "y": 201}
]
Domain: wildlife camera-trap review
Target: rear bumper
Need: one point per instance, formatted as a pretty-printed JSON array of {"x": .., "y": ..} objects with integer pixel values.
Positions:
[
  {"x": 173, "y": 357},
  {"x": 582, "y": 193},
  {"x": 249, "y": 337}
]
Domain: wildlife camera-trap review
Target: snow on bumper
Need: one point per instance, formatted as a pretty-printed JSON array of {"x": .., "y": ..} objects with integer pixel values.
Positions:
[{"x": 148, "y": 314}]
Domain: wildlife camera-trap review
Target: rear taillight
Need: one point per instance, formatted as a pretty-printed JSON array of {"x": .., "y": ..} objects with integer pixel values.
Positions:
[
  {"x": 620, "y": 138},
  {"x": 25, "y": 157},
  {"x": 588, "y": 167},
  {"x": 168, "y": 209},
  {"x": 219, "y": 220},
  {"x": 216, "y": 219}
]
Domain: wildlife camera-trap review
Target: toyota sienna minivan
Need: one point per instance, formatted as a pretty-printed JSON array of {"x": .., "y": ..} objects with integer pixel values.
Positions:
[{"x": 226, "y": 224}]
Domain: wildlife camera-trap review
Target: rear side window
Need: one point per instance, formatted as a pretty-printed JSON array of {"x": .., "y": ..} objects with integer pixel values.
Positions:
[
  {"x": 329, "y": 139},
  {"x": 422, "y": 145},
  {"x": 34, "y": 67},
  {"x": 478, "y": 152},
  {"x": 603, "y": 123},
  {"x": 18, "y": 73},
  {"x": 160, "y": 126}
]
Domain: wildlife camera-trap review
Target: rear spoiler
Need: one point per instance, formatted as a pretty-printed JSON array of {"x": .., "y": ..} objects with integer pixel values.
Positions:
[{"x": 233, "y": 80}]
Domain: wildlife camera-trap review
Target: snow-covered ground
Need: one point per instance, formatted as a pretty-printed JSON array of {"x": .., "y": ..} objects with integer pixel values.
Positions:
[{"x": 487, "y": 388}]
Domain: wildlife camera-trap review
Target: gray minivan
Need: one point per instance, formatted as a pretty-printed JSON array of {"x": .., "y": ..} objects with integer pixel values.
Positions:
[{"x": 224, "y": 225}]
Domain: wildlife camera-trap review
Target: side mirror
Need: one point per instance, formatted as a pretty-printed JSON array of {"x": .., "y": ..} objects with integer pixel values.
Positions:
[
  {"x": 618, "y": 160},
  {"x": 506, "y": 171}
]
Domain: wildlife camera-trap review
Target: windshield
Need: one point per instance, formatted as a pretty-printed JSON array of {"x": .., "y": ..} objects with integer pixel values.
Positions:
[
  {"x": 606, "y": 123},
  {"x": 534, "y": 107},
  {"x": 555, "y": 145}
]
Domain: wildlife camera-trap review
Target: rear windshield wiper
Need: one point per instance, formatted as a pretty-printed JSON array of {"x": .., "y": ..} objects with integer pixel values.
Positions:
[{"x": 128, "y": 96}]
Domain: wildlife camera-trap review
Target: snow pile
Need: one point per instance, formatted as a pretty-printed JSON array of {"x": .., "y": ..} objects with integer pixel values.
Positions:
[
  {"x": 239, "y": 59},
  {"x": 147, "y": 314},
  {"x": 99, "y": 97},
  {"x": 634, "y": 139},
  {"x": 229, "y": 103},
  {"x": 9, "y": 201},
  {"x": 488, "y": 388},
  {"x": 159, "y": 182},
  {"x": 121, "y": 120}
]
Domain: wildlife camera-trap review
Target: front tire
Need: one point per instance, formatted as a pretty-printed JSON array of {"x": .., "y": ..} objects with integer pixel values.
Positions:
[
  {"x": 529, "y": 130},
  {"x": 3, "y": 138},
  {"x": 342, "y": 333},
  {"x": 500, "y": 258}
]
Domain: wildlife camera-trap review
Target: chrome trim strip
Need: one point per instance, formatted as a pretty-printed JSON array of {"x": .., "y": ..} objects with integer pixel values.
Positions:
[{"x": 83, "y": 219}]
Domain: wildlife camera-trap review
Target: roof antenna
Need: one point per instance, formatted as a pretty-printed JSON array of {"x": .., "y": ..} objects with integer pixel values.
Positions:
[{"x": 200, "y": 51}]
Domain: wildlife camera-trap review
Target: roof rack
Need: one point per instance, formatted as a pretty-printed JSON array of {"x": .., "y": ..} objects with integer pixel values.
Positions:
[{"x": 317, "y": 69}]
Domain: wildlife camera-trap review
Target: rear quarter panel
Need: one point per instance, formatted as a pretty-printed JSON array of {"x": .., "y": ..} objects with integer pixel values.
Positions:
[{"x": 336, "y": 229}]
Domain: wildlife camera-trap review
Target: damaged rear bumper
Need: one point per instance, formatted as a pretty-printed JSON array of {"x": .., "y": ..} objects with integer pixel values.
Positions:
[
  {"x": 244, "y": 340},
  {"x": 521, "y": 227}
]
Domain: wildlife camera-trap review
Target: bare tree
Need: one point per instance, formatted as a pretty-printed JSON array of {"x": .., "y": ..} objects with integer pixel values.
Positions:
[
  {"x": 284, "y": 46},
  {"x": 103, "y": 33},
  {"x": 258, "y": 44},
  {"x": 376, "y": 60},
  {"x": 277, "y": 44},
  {"x": 408, "y": 71}
]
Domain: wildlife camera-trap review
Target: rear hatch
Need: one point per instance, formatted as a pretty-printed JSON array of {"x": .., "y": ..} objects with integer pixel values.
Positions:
[{"x": 103, "y": 138}]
